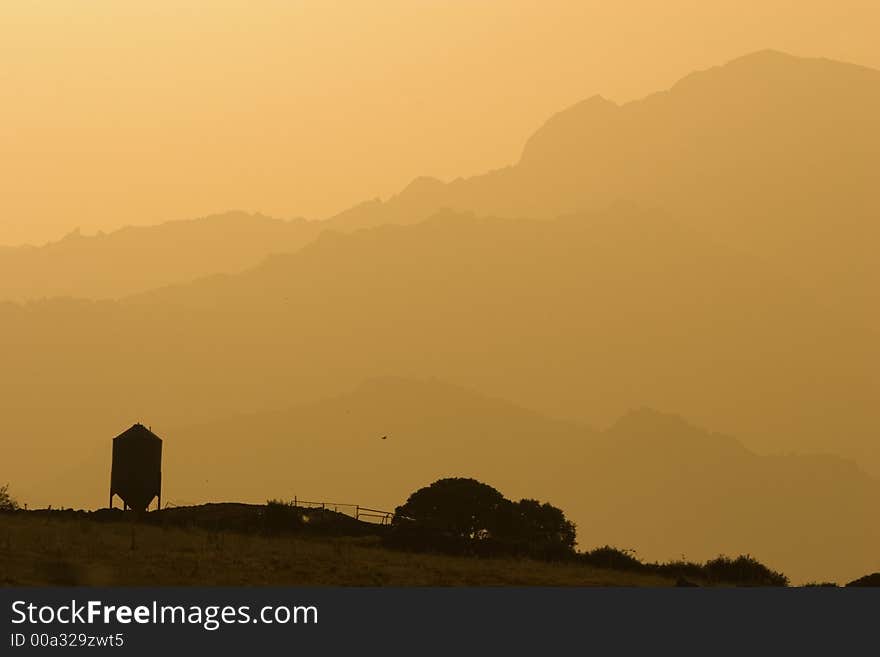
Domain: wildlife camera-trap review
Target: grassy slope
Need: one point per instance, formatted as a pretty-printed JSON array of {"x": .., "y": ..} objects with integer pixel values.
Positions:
[{"x": 37, "y": 551}]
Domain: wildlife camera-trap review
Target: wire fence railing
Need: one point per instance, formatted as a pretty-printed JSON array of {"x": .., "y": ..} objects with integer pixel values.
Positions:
[{"x": 356, "y": 511}]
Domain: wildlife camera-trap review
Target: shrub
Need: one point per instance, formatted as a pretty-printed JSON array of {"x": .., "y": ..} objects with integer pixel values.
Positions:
[
  {"x": 281, "y": 516},
  {"x": 613, "y": 559},
  {"x": 681, "y": 569},
  {"x": 7, "y": 502},
  {"x": 743, "y": 571}
]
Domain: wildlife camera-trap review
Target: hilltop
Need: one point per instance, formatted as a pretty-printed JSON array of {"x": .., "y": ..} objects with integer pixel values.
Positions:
[
  {"x": 651, "y": 481},
  {"x": 85, "y": 552},
  {"x": 248, "y": 545}
]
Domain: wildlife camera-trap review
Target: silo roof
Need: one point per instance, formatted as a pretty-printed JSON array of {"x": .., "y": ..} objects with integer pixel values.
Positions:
[{"x": 138, "y": 431}]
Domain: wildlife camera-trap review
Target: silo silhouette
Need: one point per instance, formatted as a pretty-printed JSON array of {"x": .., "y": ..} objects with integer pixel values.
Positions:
[{"x": 136, "y": 474}]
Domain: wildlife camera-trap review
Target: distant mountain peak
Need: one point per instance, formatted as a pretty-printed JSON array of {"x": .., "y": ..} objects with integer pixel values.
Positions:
[
  {"x": 594, "y": 102},
  {"x": 646, "y": 426},
  {"x": 75, "y": 234},
  {"x": 756, "y": 68},
  {"x": 590, "y": 111},
  {"x": 422, "y": 184},
  {"x": 645, "y": 419},
  {"x": 765, "y": 55}
]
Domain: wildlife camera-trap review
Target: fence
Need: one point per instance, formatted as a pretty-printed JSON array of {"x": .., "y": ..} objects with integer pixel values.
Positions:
[{"x": 356, "y": 511}]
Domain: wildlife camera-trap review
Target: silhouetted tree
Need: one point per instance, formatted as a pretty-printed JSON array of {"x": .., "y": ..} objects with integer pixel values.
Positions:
[
  {"x": 540, "y": 529},
  {"x": 467, "y": 516},
  {"x": 459, "y": 507},
  {"x": 7, "y": 503}
]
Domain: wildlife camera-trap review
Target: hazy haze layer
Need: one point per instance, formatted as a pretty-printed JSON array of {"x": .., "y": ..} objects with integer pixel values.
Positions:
[{"x": 707, "y": 252}]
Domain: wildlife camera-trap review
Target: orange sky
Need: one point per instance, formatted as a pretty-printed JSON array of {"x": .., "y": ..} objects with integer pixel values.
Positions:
[{"x": 118, "y": 113}]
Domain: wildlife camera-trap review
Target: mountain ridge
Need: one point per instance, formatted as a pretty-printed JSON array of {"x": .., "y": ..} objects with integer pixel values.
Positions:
[
  {"x": 732, "y": 150},
  {"x": 580, "y": 318},
  {"x": 738, "y": 151},
  {"x": 132, "y": 259}
]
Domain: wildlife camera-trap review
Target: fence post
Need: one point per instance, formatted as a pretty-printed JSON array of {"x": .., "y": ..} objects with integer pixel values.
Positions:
[{"x": 357, "y": 512}]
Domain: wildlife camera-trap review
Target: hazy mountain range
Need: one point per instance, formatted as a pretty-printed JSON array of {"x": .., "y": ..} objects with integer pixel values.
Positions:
[
  {"x": 584, "y": 317},
  {"x": 772, "y": 154},
  {"x": 708, "y": 251}
]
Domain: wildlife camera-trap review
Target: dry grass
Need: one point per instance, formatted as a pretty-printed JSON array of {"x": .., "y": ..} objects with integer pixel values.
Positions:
[{"x": 39, "y": 551}]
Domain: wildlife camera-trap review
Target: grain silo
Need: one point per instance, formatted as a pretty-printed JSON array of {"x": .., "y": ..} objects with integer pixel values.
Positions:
[{"x": 136, "y": 474}]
